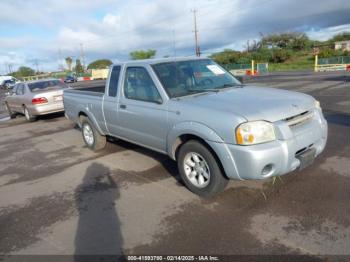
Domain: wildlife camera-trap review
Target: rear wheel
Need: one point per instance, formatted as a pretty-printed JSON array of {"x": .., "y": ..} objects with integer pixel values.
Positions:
[
  {"x": 199, "y": 169},
  {"x": 92, "y": 138},
  {"x": 9, "y": 111},
  {"x": 29, "y": 117}
]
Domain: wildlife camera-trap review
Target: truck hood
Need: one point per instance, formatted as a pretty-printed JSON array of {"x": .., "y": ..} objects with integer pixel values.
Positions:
[{"x": 254, "y": 103}]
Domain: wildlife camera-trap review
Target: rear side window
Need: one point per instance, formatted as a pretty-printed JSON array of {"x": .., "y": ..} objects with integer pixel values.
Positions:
[
  {"x": 46, "y": 85},
  {"x": 113, "y": 82},
  {"x": 14, "y": 89},
  {"x": 19, "y": 90}
]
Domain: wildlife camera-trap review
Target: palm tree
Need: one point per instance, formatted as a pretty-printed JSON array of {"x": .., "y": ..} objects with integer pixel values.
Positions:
[{"x": 69, "y": 62}]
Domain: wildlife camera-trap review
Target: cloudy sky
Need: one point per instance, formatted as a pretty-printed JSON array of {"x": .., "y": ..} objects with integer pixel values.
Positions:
[{"x": 42, "y": 31}]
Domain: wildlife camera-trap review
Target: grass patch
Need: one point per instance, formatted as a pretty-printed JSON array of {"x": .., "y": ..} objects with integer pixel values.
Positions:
[{"x": 301, "y": 62}]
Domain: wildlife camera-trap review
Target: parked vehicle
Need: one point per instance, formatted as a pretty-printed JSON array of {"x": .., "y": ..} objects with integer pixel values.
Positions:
[
  {"x": 35, "y": 98},
  {"x": 70, "y": 79},
  {"x": 8, "y": 82},
  {"x": 201, "y": 116}
]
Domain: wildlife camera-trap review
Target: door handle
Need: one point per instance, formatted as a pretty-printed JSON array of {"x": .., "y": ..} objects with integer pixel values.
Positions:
[{"x": 122, "y": 106}]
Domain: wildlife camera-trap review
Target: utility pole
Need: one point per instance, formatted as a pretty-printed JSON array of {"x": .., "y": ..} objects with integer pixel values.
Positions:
[
  {"x": 82, "y": 55},
  {"x": 36, "y": 63},
  {"x": 9, "y": 68},
  {"x": 197, "y": 48},
  {"x": 174, "y": 42}
]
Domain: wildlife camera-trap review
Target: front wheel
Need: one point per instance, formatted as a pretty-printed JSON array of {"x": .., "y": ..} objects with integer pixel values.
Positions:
[
  {"x": 92, "y": 138},
  {"x": 200, "y": 170}
]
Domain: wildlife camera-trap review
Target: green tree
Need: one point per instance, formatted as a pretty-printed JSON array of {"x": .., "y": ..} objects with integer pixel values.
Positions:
[
  {"x": 327, "y": 52},
  {"x": 100, "y": 64},
  {"x": 24, "y": 71},
  {"x": 341, "y": 37},
  {"x": 142, "y": 54},
  {"x": 280, "y": 55},
  {"x": 227, "y": 56},
  {"x": 69, "y": 62},
  {"x": 294, "y": 41},
  {"x": 78, "y": 67}
]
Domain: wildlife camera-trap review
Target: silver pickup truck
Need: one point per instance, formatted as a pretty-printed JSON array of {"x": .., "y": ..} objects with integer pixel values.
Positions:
[{"x": 202, "y": 117}]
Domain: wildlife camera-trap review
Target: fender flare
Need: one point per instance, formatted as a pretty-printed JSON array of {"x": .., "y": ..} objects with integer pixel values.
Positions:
[
  {"x": 86, "y": 111},
  {"x": 190, "y": 128}
]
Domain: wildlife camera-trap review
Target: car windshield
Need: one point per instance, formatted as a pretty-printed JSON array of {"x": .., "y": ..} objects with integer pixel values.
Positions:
[
  {"x": 46, "y": 85},
  {"x": 182, "y": 78}
]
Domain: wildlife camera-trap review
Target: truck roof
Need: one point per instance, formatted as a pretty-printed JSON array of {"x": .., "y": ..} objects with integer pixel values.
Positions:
[{"x": 160, "y": 60}]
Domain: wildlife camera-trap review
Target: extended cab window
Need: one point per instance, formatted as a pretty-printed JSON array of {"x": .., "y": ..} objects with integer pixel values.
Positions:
[
  {"x": 138, "y": 85},
  {"x": 113, "y": 82}
]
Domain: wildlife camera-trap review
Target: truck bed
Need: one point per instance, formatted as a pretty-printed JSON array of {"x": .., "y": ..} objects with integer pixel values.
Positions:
[
  {"x": 97, "y": 89},
  {"x": 79, "y": 99}
]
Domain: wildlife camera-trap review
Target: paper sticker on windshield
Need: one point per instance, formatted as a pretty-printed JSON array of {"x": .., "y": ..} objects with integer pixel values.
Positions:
[{"x": 216, "y": 70}]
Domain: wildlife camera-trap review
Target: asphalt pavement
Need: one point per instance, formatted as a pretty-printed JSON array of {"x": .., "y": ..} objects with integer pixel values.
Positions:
[{"x": 58, "y": 197}]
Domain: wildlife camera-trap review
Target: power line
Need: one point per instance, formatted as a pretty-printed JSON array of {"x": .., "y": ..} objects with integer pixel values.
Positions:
[{"x": 120, "y": 35}]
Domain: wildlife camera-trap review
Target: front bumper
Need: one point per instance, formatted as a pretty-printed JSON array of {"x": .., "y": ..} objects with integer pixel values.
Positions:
[{"x": 248, "y": 162}]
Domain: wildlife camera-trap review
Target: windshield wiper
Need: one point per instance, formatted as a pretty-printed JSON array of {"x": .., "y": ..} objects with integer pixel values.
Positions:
[
  {"x": 203, "y": 91},
  {"x": 209, "y": 90},
  {"x": 229, "y": 85}
]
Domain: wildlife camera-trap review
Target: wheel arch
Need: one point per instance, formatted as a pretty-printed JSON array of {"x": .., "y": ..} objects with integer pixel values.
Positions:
[
  {"x": 83, "y": 113},
  {"x": 185, "y": 131}
]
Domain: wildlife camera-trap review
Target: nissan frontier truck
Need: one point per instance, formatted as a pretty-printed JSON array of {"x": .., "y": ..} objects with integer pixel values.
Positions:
[{"x": 201, "y": 116}]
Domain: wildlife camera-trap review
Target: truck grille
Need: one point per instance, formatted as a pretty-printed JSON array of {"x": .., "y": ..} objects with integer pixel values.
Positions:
[{"x": 299, "y": 119}]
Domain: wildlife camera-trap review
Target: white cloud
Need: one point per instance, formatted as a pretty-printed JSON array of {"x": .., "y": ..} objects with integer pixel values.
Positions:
[
  {"x": 15, "y": 42},
  {"x": 113, "y": 28},
  {"x": 326, "y": 33}
]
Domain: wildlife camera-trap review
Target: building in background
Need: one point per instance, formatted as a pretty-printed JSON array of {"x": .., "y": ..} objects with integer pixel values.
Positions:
[{"x": 342, "y": 45}]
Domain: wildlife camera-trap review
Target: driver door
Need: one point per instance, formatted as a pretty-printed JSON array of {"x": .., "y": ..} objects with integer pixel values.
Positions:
[{"x": 142, "y": 114}]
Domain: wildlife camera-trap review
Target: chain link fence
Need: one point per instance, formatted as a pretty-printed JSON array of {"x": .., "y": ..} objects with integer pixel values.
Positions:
[
  {"x": 230, "y": 67},
  {"x": 334, "y": 60},
  {"x": 241, "y": 69}
]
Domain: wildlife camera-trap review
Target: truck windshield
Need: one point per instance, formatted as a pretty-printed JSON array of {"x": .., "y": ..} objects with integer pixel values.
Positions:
[
  {"x": 46, "y": 85},
  {"x": 182, "y": 78}
]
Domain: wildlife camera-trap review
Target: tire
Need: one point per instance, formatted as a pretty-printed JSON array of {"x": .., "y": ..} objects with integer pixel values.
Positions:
[
  {"x": 210, "y": 179},
  {"x": 10, "y": 112},
  {"x": 92, "y": 138},
  {"x": 29, "y": 117}
]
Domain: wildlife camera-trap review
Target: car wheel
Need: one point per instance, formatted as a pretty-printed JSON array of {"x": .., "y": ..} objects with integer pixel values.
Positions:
[
  {"x": 92, "y": 138},
  {"x": 10, "y": 112},
  {"x": 29, "y": 117},
  {"x": 200, "y": 170}
]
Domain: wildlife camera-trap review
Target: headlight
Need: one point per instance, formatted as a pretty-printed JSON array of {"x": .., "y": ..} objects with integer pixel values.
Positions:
[
  {"x": 317, "y": 104},
  {"x": 256, "y": 132}
]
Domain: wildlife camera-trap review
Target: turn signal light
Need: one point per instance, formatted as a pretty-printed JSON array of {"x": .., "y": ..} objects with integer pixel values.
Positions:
[{"x": 39, "y": 100}]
